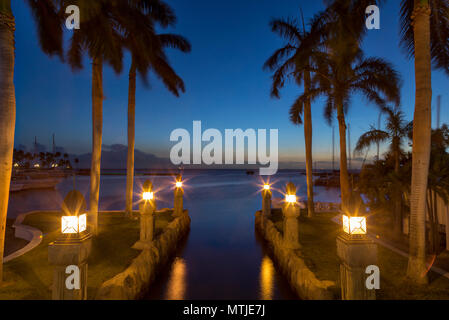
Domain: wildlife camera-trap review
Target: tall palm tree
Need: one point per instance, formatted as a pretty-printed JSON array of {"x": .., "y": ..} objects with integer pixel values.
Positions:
[
  {"x": 50, "y": 39},
  {"x": 283, "y": 64},
  {"x": 425, "y": 35},
  {"x": 147, "y": 53},
  {"x": 374, "y": 78},
  {"x": 397, "y": 130},
  {"x": 101, "y": 29},
  {"x": 340, "y": 70}
]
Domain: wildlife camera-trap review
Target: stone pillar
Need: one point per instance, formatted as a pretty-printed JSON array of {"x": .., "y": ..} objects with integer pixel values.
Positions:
[
  {"x": 69, "y": 253},
  {"x": 291, "y": 211},
  {"x": 69, "y": 256},
  {"x": 266, "y": 203},
  {"x": 178, "y": 203},
  {"x": 291, "y": 225},
  {"x": 147, "y": 228},
  {"x": 356, "y": 255}
]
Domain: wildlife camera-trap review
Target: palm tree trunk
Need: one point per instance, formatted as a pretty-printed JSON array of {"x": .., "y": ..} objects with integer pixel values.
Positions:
[
  {"x": 431, "y": 224},
  {"x": 344, "y": 179},
  {"x": 7, "y": 115},
  {"x": 437, "y": 223},
  {"x": 435, "y": 230},
  {"x": 308, "y": 141},
  {"x": 397, "y": 195},
  {"x": 131, "y": 139},
  {"x": 97, "y": 132},
  {"x": 421, "y": 143}
]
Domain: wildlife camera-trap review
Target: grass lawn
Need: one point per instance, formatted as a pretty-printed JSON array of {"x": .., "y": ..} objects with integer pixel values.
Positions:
[
  {"x": 318, "y": 239},
  {"x": 30, "y": 276}
]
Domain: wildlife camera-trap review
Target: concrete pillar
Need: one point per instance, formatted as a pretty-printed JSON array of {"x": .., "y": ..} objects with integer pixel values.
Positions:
[
  {"x": 356, "y": 255},
  {"x": 69, "y": 253},
  {"x": 291, "y": 211},
  {"x": 291, "y": 225},
  {"x": 69, "y": 258},
  {"x": 266, "y": 203},
  {"x": 147, "y": 225},
  {"x": 178, "y": 203}
]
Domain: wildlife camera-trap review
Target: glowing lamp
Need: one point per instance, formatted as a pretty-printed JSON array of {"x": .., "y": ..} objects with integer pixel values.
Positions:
[
  {"x": 266, "y": 187},
  {"x": 16, "y": 165},
  {"x": 354, "y": 225},
  {"x": 147, "y": 196},
  {"x": 178, "y": 184},
  {"x": 290, "y": 198},
  {"x": 37, "y": 165},
  {"x": 73, "y": 224}
]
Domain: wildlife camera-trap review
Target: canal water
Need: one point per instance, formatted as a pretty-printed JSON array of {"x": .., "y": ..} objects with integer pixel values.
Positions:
[{"x": 222, "y": 257}]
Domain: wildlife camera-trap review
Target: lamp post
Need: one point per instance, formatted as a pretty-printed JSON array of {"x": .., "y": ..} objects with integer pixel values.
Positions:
[
  {"x": 356, "y": 253},
  {"x": 290, "y": 210},
  {"x": 147, "y": 207},
  {"x": 69, "y": 253},
  {"x": 178, "y": 198},
  {"x": 266, "y": 203}
]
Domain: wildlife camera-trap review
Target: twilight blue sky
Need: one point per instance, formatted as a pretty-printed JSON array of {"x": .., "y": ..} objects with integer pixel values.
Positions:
[{"x": 226, "y": 86}]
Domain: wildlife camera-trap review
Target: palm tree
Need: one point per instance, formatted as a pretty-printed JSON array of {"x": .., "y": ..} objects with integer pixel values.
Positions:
[
  {"x": 341, "y": 70},
  {"x": 147, "y": 53},
  {"x": 50, "y": 39},
  {"x": 374, "y": 78},
  {"x": 397, "y": 130},
  {"x": 425, "y": 35},
  {"x": 283, "y": 64},
  {"x": 100, "y": 33}
]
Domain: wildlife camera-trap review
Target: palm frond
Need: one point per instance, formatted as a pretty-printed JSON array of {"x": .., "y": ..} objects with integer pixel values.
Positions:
[
  {"x": 439, "y": 31},
  {"x": 287, "y": 29},
  {"x": 297, "y": 109},
  {"x": 369, "y": 138},
  {"x": 49, "y": 25},
  {"x": 175, "y": 41},
  {"x": 278, "y": 57}
]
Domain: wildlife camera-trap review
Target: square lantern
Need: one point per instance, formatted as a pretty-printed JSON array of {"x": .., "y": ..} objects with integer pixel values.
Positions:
[
  {"x": 147, "y": 196},
  {"x": 290, "y": 198},
  {"x": 354, "y": 225},
  {"x": 73, "y": 224}
]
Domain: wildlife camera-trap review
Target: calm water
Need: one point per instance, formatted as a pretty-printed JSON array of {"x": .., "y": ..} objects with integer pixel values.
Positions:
[{"x": 222, "y": 257}]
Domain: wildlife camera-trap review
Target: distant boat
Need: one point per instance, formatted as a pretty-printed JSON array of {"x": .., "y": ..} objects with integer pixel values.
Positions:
[
  {"x": 249, "y": 172},
  {"x": 34, "y": 182}
]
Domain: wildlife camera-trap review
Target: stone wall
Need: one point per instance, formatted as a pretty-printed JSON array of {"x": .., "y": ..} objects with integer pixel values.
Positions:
[
  {"x": 300, "y": 277},
  {"x": 131, "y": 283}
]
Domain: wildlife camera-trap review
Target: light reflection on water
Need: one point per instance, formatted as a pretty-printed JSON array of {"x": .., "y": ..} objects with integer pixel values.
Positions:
[
  {"x": 222, "y": 257},
  {"x": 176, "y": 286},
  {"x": 266, "y": 278}
]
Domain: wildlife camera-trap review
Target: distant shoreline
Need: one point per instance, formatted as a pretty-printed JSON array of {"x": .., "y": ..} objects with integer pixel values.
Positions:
[{"x": 169, "y": 172}]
